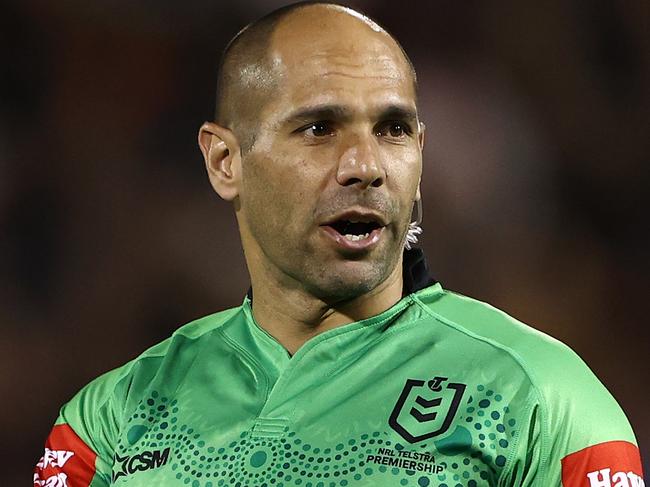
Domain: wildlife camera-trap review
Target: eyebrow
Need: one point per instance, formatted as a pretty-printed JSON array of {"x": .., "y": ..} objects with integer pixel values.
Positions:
[
  {"x": 399, "y": 112},
  {"x": 343, "y": 113},
  {"x": 318, "y": 112}
]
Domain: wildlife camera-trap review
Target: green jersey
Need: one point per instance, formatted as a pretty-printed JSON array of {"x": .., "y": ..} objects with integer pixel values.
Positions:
[{"x": 439, "y": 390}]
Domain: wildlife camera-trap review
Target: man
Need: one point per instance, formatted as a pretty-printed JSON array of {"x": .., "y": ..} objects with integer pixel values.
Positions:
[{"x": 345, "y": 364}]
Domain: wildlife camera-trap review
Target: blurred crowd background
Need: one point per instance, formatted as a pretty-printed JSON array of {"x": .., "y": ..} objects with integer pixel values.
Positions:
[{"x": 535, "y": 183}]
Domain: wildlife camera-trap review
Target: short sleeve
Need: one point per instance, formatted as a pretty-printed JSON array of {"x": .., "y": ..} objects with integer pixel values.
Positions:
[
  {"x": 577, "y": 434},
  {"x": 79, "y": 449}
]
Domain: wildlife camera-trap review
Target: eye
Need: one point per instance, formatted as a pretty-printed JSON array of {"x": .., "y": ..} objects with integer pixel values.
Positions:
[
  {"x": 393, "y": 129},
  {"x": 318, "y": 129},
  {"x": 396, "y": 130}
]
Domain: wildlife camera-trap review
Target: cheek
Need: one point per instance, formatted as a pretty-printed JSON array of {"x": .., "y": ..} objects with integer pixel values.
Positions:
[
  {"x": 404, "y": 172},
  {"x": 277, "y": 193}
]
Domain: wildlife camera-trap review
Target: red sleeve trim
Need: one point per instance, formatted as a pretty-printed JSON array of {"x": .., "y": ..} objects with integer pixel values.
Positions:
[
  {"x": 67, "y": 461},
  {"x": 609, "y": 464}
]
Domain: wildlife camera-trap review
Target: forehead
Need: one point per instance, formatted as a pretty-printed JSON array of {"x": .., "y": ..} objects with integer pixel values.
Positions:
[{"x": 319, "y": 54}]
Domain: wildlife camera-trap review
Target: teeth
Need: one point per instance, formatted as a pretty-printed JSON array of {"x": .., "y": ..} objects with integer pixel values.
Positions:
[{"x": 355, "y": 238}]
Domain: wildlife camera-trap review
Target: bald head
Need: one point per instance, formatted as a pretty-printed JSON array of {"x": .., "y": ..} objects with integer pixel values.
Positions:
[{"x": 251, "y": 68}]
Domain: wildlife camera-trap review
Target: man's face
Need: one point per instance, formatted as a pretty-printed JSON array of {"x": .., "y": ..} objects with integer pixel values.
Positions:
[{"x": 329, "y": 184}]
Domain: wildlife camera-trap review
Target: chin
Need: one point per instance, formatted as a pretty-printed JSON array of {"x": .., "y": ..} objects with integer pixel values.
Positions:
[{"x": 347, "y": 280}]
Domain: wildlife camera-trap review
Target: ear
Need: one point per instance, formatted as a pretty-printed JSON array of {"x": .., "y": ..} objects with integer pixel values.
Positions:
[
  {"x": 222, "y": 157},
  {"x": 418, "y": 194}
]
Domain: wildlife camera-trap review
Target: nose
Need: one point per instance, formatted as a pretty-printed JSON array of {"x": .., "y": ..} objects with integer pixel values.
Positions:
[{"x": 359, "y": 165}]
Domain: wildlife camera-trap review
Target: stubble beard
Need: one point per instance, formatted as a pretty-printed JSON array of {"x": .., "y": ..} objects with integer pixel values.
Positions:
[
  {"x": 330, "y": 277},
  {"x": 344, "y": 280}
]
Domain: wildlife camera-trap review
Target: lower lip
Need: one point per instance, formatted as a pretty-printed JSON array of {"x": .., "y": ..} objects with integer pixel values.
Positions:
[{"x": 354, "y": 245}]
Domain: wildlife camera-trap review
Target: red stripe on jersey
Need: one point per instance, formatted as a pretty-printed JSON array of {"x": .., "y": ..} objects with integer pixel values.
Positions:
[
  {"x": 609, "y": 464},
  {"x": 67, "y": 461}
]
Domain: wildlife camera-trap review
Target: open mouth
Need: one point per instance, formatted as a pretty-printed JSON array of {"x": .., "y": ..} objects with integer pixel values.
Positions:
[{"x": 355, "y": 230}]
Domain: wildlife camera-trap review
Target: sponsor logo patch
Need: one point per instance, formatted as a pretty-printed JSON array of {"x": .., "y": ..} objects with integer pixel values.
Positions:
[
  {"x": 140, "y": 462},
  {"x": 609, "y": 464},
  {"x": 66, "y": 462}
]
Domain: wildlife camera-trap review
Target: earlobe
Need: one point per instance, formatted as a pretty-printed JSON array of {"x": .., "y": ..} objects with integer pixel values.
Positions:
[{"x": 221, "y": 153}]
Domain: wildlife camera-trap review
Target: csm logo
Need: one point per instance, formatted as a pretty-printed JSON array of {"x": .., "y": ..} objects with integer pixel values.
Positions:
[
  {"x": 605, "y": 478},
  {"x": 140, "y": 462}
]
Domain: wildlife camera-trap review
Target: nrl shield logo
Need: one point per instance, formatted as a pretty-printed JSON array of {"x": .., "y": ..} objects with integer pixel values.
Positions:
[{"x": 425, "y": 410}]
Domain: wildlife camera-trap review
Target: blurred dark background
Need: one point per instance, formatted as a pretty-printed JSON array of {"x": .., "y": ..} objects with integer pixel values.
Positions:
[{"x": 535, "y": 186}]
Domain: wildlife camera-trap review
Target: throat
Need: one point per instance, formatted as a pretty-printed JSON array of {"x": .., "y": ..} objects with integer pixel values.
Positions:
[{"x": 293, "y": 316}]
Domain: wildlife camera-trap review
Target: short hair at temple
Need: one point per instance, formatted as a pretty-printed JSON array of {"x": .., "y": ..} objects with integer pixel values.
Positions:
[{"x": 245, "y": 77}]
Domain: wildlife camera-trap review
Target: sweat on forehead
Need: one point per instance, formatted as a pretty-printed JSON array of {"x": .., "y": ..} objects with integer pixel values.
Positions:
[{"x": 251, "y": 66}]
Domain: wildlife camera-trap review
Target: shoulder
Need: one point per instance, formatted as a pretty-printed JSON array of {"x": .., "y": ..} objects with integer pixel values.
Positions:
[
  {"x": 183, "y": 341},
  {"x": 567, "y": 393},
  {"x": 104, "y": 400},
  {"x": 543, "y": 358},
  {"x": 89, "y": 424}
]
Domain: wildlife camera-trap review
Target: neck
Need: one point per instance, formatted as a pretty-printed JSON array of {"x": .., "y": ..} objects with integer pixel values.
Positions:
[{"x": 292, "y": 315}]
